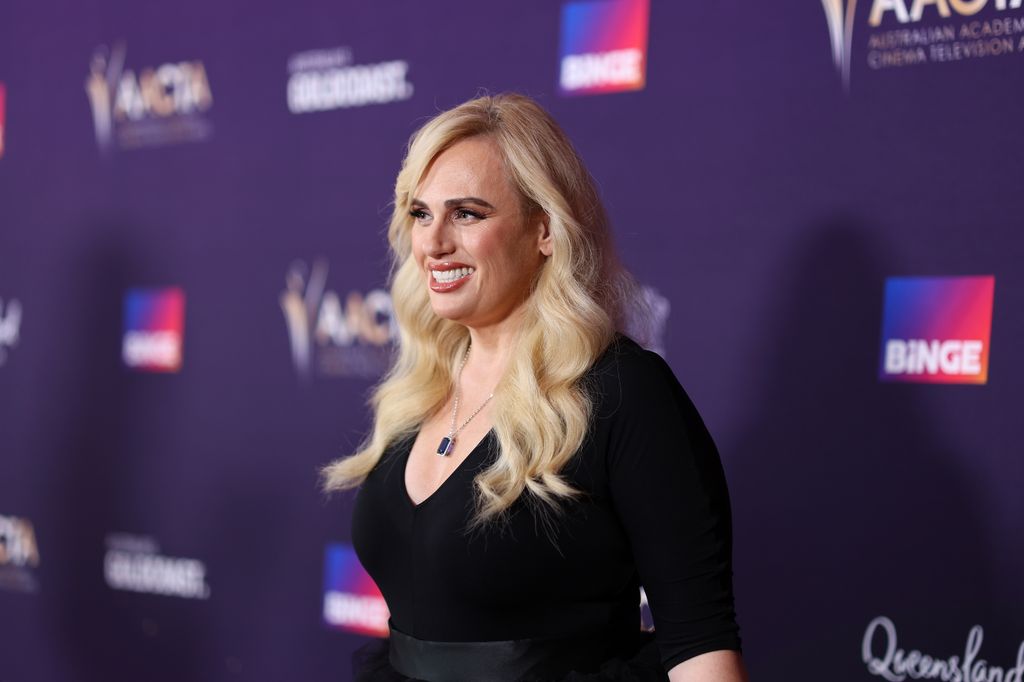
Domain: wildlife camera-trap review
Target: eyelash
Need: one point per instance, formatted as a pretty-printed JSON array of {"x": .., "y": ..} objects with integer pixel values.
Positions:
[
  {"x": 463, "y": 213},
  {"x": 457, "y": 214}
]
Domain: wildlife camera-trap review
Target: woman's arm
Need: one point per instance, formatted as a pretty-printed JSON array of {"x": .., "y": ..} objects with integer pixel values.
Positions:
[
  {"x": 669, "y": 491},
  {"x": 714, "y": 666}
]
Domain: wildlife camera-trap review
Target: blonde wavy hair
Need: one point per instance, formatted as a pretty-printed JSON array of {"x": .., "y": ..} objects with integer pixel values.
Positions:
[{"x": 542, "y": 409}]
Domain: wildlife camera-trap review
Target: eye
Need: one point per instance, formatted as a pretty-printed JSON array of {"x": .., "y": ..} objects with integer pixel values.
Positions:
[
  {"x": 419, "y": 215},
  {"x": 465, "y": 214}
]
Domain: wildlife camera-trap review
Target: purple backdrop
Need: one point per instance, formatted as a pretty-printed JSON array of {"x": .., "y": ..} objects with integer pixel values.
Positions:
[{"x": 167, "y": 525}]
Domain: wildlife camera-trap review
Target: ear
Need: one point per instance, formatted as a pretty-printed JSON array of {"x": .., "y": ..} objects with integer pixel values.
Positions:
[{"x": 544, "y": 242}]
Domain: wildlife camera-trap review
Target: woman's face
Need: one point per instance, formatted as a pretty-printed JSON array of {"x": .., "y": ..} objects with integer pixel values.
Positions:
[{"x": 477, "y": 250}]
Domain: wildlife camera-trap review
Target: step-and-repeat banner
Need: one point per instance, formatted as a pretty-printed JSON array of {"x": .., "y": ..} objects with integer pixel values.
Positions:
[{"x": 821, "y": 200}]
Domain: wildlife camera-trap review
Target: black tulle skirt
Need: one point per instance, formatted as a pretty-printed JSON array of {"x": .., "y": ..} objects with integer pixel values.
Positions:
[{"x": 370, "y": 663}]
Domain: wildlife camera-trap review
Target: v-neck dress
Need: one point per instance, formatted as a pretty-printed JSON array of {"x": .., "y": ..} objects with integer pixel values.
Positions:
[{"x": 654, "y": 511}]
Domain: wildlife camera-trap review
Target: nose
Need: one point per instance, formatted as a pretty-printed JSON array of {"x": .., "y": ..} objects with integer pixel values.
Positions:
[{"x": 439, "y": 240}]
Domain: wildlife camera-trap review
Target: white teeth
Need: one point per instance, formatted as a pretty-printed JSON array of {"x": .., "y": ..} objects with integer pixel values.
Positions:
[{"x": 445, "y": 276}]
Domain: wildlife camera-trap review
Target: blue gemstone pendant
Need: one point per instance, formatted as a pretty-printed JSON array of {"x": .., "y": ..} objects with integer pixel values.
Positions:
[{"x": 447, "y": 443}]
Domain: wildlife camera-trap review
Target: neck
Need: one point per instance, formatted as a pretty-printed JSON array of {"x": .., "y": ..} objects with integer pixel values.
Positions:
[{"x": 492, "y": 347}]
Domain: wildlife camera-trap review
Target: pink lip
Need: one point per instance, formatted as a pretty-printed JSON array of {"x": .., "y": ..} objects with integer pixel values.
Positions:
[
  {"x": 446, "y": 265},
  {"x": 444, "y": 287}
]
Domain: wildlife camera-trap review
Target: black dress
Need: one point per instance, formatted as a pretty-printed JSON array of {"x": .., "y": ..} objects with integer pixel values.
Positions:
[{"x": 655, "y": 511}]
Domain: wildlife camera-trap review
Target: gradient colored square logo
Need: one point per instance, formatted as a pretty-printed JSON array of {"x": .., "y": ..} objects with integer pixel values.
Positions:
[
  {"x": 154, "y": 329},
  {"x": 352, "y": 601},
  {"x": 937, "y": 329},
  {"x": 3, "y": 119},
  {"x": 603, "y": 46}
]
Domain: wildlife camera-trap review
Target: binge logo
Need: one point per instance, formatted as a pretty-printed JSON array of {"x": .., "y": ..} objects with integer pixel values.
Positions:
[
  {"x": 154, "y": 322},
  {"x": 352, "y": 601},
  {"x": 604, "y": 46},
  {"x": 937, "y": 329},
  {"x": 3, "y": 108}
]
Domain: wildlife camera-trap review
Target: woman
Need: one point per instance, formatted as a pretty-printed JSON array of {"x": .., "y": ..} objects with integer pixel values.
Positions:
[{"x": 529, "y": 466}]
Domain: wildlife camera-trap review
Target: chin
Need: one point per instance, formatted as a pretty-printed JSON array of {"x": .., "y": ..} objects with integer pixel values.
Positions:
[{"x": 450, "y": 313}]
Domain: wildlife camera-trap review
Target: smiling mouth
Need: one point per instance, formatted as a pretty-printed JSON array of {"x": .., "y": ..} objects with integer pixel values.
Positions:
[{"x": 449, "y": 276}]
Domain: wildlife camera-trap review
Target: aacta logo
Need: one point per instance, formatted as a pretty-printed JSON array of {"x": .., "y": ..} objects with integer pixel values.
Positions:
[
  {"x": 10, "y": 327},
  {"x": 19, "y": 554},
  {"x": 840, "y": 31},
  {"x": 17, "y": 542},
  {"x": 603, "y": 46},
  {"x": 937, "y": 329},
  {"x": 908, "y": 11},
  {"x": 3, "y": 108},
  {"x": 647, "y": 322},
  {"x": 941, "y": 42},
  {"x": 156, "y": 106},
  {"x": 350, "y": 340},
  {"x": 154, "y": 329}
]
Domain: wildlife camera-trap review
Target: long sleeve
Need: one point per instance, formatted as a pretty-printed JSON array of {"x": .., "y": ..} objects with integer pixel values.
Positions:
[{"x": 669, "y": 491}]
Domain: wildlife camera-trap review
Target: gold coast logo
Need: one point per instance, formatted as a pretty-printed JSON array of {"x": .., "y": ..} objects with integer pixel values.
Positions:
[
  {"x": 329, "y": 338},
  {"x": 133, "y": 563},
  {"x": 904, "y": 33},
  {"x": 155, "y": 106},
  {"x": 321, "y": 80},
  {"x": 19, "y": 554}
]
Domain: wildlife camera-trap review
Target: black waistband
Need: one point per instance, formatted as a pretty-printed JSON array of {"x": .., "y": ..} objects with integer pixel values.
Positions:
[{"x": 506, "y": 660}]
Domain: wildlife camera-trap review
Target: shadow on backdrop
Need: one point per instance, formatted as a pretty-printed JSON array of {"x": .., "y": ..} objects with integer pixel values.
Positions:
[
  {"x": 847, "y": 504},
  {"x": 100, "y": 450}
]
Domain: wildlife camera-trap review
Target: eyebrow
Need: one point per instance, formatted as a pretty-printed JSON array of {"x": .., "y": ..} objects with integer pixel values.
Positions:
[{"x": 451, "y": 203}]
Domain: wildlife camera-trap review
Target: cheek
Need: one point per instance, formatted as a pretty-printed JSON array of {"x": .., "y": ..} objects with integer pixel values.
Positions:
[
  {"x": 507, "y": 270},
  {"x": 494, "y": 249},
  {"x": 417, "y": 248}
]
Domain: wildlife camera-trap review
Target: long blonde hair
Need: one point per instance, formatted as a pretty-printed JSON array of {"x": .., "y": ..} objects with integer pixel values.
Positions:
[{"x": 542, "y": 409}]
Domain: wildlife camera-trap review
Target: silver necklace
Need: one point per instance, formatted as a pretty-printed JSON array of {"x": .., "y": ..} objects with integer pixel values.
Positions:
[{"x": 448, "y": 442}]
